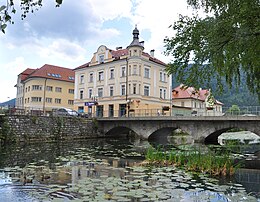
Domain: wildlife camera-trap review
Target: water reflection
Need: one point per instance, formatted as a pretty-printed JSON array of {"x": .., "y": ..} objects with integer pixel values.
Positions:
[{"x": 108, "y": 169}]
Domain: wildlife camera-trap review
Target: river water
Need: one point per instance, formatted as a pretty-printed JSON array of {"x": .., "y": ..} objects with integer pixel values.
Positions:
[{"x": 110, "y": 170}]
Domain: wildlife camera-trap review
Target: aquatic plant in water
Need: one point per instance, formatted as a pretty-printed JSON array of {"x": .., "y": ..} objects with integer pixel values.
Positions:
[{"x": 194, "y": 160}]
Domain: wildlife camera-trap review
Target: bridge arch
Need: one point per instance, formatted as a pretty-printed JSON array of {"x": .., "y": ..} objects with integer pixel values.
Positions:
[
  {"x": 213, "y": 137},
  {"x": 161, "y": 135},
  {"x": 120, "y": 131}
]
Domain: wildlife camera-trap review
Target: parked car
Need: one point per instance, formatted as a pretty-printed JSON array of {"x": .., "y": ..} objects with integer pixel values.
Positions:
[{"x": 65, "y": 112}]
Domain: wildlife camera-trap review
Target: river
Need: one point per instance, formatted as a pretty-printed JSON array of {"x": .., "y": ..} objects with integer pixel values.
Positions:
[{"x": 110, "y": 170}]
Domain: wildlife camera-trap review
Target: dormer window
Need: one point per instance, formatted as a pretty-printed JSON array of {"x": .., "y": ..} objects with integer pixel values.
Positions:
[{"x": 101, "y": 58}]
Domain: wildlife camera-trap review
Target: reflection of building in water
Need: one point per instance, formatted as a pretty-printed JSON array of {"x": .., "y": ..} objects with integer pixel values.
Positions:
[
  {"x": 249, "y": 178},
  {"x": 96, "y": 170},
  {"x": 5, "y": 179}
]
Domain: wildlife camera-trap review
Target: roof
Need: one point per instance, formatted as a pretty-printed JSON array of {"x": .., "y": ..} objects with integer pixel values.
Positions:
[
  {"x": 82, "y": 66},
  {"x": 26, "y": 72},
  {"x": 182, "y": 92},
  {"x": 116, "y": 54},
  {"x": 52, "y": 72}
]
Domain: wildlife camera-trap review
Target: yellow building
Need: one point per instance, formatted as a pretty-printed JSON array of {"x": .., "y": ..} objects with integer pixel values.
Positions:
[
  {"x": 123, "y": 82},
  {"x": 44, "y": 89}
]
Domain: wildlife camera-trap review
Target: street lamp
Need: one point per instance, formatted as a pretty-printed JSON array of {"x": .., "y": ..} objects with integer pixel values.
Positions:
[
  {"x": 94, "y": 98},
  {"x": 128, "y": 106}
]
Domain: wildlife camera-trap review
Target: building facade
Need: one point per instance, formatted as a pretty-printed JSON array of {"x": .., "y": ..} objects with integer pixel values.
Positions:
[
  {"x": 44, "y": 89},
  {"x": 123, "y": 82},
  {"x": 189, "y": 101}
]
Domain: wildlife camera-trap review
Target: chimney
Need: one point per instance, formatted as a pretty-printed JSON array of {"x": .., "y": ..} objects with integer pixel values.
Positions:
[
  {"x": 142, "y": 43},
  {"x": 119, "y": 48},
  {"x": 152, "y": 53}
]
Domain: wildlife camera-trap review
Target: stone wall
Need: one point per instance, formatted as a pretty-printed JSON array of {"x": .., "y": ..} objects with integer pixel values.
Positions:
[{"x": 38, "y": 128}]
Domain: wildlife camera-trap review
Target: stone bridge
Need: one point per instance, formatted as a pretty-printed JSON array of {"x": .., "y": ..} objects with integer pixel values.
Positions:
[{"x": 201, "y": 129}]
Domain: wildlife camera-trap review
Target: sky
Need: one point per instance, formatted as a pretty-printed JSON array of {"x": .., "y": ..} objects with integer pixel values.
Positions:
[{"x": 69, "y": 35}]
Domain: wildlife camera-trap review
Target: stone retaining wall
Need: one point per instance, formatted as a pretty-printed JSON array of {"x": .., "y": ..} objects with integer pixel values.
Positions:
[{"x": 33, "y": 128}]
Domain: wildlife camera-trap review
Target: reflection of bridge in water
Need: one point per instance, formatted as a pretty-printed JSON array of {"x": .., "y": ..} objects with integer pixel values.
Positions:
[{"x": 206, "y": 128}]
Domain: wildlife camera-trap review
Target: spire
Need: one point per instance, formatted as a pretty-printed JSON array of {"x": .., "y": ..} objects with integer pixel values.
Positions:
[
  {"x": 135, "y": 41},
  {"x": 135, "y": 33}
]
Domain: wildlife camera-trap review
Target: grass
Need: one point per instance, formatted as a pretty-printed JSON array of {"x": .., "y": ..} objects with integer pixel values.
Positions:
[{"x": 195, "y": 160}]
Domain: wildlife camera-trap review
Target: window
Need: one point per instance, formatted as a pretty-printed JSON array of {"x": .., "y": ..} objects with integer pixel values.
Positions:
[
  {"x": 101, "y": 76},
  {"x": 123, "y": 72},
  {"x": 58, "y": 89},
  {"x": 111, "y": 91},
  {"x": 36, "y": 87},
  {"x": 49, "y": 88},
  {"x": 81, "y": 79},
  {"x": 36, "y": 99},
  {"x": 91, "y": 77},
  {"x": 146, "y": 72},
  {"x": 164, "y": 77},
  {"x": 28, "y": 88},
  {"x": 161, "y": 76},
  {"x": 146, "y": 90},
  {"x": 48, "y": 100},
  {"x": 112, "y": 73},
  {"x": 161, "y": 92},
  {"x": 70, "y": 102},
  {"x": 100, "y": 92},
  {"x": 123, "y": 89},
  {"x": 81, "y": 94},
  {"x": 71, "y": 91},
  {"x": 135, "y": 70},
  {"x": 57, "y": 100},
  {"x": 164, "y": 93},
  {"x": 134, "y": 88},
  {"x": 101, "y": 59},
  {"x": 90, "y": 92}
]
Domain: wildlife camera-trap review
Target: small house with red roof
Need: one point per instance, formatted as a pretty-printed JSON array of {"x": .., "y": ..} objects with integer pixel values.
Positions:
[
  {"x": 189, "y": 101},
  {"x": 46, "y": 88},
  {"x": 123, "y": 82}
]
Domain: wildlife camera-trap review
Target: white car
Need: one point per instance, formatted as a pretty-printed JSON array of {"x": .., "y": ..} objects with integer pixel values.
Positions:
[{"x": 65, "y": 112}]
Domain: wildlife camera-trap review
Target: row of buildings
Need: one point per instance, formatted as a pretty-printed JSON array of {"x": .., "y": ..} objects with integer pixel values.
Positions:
[{"x": 121, "y": 82}]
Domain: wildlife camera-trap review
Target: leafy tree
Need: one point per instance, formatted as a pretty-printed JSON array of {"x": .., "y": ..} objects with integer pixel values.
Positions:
[
  {"x": 234, "y": 110},
  {"x": 224, "y": 44},
  {"x": 26, "y": 6}
]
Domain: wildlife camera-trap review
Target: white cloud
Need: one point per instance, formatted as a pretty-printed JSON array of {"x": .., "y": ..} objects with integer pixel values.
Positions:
[
  {"x": 112, "y": 9},
  {"x": 62, "y": 49},
  {"x": 8, "y": 77},
  {"x": 157, "y": 16}
]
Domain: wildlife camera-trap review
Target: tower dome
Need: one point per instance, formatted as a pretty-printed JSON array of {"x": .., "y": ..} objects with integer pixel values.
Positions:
[{"x": 135, "y": 41}]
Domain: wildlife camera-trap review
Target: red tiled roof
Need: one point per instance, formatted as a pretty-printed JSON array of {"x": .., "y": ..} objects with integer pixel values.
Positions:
[
  {"x": 190, "y": 92},
  {"x": 118, "y": 53},
  {"x": 82, "y": 66},
  {"x": 54, "y": 72},
  {"x": 26, "y": 72},
  {"x": 153, "y": 59}
]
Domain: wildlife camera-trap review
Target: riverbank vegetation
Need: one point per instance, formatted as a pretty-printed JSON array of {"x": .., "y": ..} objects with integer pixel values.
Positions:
[{"x": 210, "y": 162}]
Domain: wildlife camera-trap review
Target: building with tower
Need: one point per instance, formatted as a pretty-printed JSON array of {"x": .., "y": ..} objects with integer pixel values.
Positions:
[{"x": 123, "y": 82}]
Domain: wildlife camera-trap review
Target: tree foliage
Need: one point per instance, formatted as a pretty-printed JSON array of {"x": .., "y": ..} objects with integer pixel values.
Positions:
[
  {"x": 224, "y": 44},
  {"x": 26, "y": 6}
]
